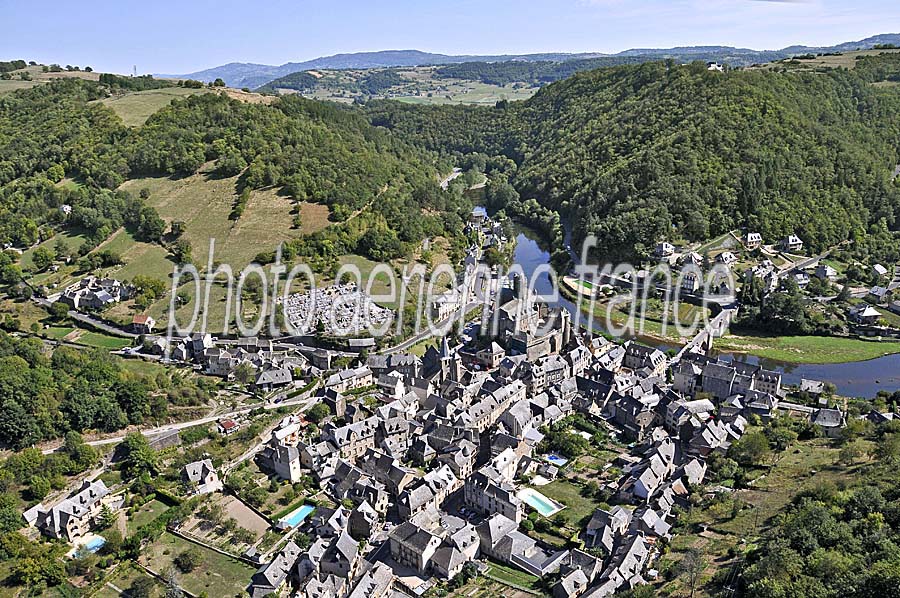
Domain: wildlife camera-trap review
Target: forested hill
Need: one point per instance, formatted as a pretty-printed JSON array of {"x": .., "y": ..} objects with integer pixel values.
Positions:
[
  {"x": 644, "y": 152},
  {"x": 313, "y": 151}
]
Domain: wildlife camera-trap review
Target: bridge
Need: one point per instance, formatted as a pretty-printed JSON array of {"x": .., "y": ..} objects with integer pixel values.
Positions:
[{"x": 703, "y": 340}]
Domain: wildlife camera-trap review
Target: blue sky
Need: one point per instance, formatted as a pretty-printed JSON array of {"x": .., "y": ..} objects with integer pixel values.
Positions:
[{"x": 189, "y": 35}]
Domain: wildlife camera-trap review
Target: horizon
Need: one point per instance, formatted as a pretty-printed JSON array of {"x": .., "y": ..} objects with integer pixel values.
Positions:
[{"x": 204, "y": 35}]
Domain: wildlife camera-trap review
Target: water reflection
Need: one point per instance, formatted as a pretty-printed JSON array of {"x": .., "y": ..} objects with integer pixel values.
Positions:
[{"x": 856, "y": 379}]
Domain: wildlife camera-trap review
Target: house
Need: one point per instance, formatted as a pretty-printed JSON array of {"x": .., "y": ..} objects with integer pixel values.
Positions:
[
  {"x": 341, "y": 557},
  {"x": 879, "y": 271},
  {"x": 487, "y": 492},
  {"x": 690, "y": 282},
  {"x": 664, "y": 250},
  {"x": 727, "y": 258},
  {"x": 374, "y": 583},
  {"x": 95, "y": 293},
  {"x": 830, "y": 421},
  {"x": 826, "y": 272},
  {"x": 446, "y": 304},
  {"x": 752, "y": 240},
  {"x": 434, "y": 488},
  {"x": 412, "y": 546},
  {"x": 271, "y": 378},
  {"x": 865, "y": 314},
  {"x": 272, "y": 577},
  {"x": 491, "y": 356},
  {"x": 606, "y": 528},
  {"x": 814, "y": 388},
  {"x": 75, "y": 515},
  {"x": 879, "y": 293},
  {"x": 715, "y": 66},
  {"x": 350, "y": 379},
  {"x": 142, "y": 324},
  {"x": 334, "y": 399},
  {"x": 281, "y": 454},
  {"x": 201, "y": 476},
  {"x": 791, "y": 243},
  {"x": 353, "y": 440},
  {"x": 895, "y": 307},
  {"x": 227, "y": 427},
  {"x": 639, "y": 356}
]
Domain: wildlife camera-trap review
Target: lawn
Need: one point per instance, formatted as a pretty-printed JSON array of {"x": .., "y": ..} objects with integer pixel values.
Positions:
[
  {"x": 136, "y": 107},
  {"x": 511, "y": 575},
  {"x": 122, "y": 578},
  {"x": 145, "y": 514},
  {"x": 204, "y": 203},
  {"x": 808, "y": 349},
  {"x": 57, "y": 333},
  {"x": 217, "y": 575},
  {"x": 102, "y": 341},
  {"x": 72, "y": 239},
  {"x": 146, "y": 259},
  {"x": 569, "y": 494}
]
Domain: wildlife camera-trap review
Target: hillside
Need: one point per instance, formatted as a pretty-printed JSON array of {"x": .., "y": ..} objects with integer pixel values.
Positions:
[
  {"x": 635, "y": 154},
  {"x": 237, "y": 74},
  {"x": 251, "y": 175}
]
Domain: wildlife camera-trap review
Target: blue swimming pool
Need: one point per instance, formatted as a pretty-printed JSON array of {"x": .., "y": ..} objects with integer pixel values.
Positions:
[
  {"x": 540, "y": 503},
  {"x": 95, "y": 544},
  {"x": 296, "y": 517},
  {"x": 555, "y": 459}
]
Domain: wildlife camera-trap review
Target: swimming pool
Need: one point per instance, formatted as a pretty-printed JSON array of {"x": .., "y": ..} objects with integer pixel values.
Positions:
[
  {"x": 95, "y": 544},
  {"x": 296, "y": 517},
  {"x": 554, "y": 459},
  {"x": 540, "y": 503}
]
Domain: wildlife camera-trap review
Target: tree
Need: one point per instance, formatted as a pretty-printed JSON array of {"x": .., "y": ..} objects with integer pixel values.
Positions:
[
  {"x": 59, "y": 311},
  {"x": 139, "y": 456},
  {"x": 188, "y": 560},
  {"x": 318, "y": 412},
  {"x": 751, "y": 449},
  {"x": 38, "y": 487},
  {"x": 852, "y": 451},
  {"x": 142, "y": 587},
  {"x": 42, "y": 258},
  {"x": 106, "y": 518},
  {"x": 245, "y": 373},
  {"x": 693, "y": 565}
]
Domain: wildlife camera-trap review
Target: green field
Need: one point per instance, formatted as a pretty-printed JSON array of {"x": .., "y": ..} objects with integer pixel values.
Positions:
[
  {"x": 135, "y": 108},
  {"x": 807, "y": 349},
  {"x": 217, "y": 575}
]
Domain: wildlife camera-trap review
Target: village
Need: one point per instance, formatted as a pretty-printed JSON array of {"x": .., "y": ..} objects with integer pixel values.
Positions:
[{"x": 366, "y": 473}]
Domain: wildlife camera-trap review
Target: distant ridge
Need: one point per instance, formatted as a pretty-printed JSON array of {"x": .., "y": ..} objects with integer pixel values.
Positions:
[{"x": 242, "y": 74}]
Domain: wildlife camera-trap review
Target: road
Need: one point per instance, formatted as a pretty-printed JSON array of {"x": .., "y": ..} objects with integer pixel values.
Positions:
[
  {"x": 430, "y": 331},
  {"x": 89, "y": 320},
  {"x": 445, "y": 182},
  {"x": 305, "y": 402}
]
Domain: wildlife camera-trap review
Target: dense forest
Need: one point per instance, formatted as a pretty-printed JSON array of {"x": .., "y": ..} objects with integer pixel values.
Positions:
[
  {"x": 44, "y": 396},
  {"x": 635, "y": 154}
]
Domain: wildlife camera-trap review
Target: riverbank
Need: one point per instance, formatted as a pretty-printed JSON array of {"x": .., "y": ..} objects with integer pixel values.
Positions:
[
  {"x": 807, "y": 349},
  {"x": 652, "y": 329}
]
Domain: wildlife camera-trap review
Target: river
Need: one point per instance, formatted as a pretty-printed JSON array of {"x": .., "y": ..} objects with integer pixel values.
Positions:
[{"x": 855, "y": 379}]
